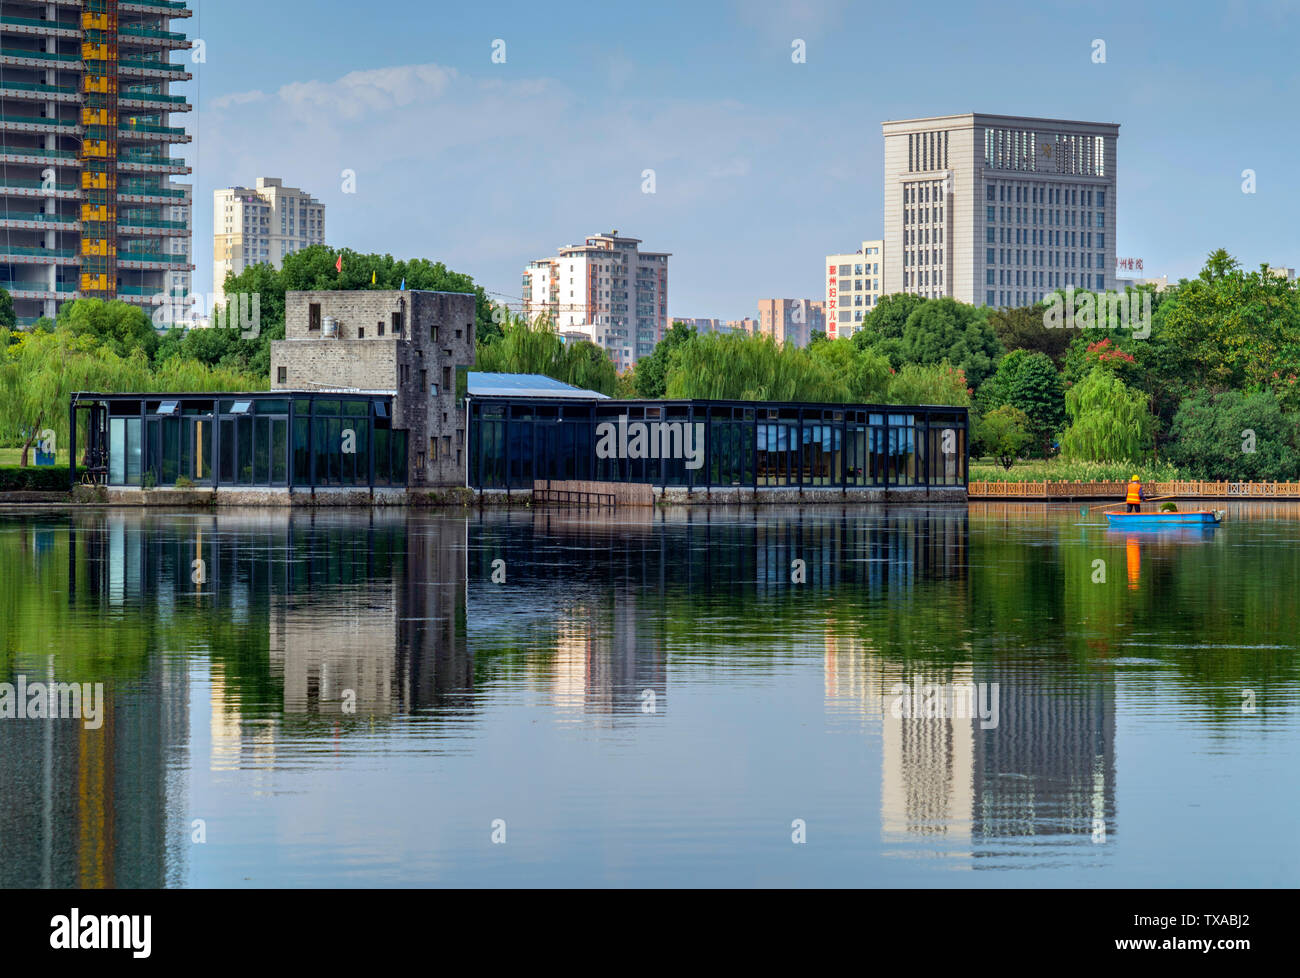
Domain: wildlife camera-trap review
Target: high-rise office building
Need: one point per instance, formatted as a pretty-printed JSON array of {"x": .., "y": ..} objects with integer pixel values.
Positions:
[
  {"x": 607, "y": 288},
  {"x": 261, "y": 225},
  {"x": 853, "y": 287},
  {"x": 998, "y": 210},
  {"x": 86, "y": 112}
]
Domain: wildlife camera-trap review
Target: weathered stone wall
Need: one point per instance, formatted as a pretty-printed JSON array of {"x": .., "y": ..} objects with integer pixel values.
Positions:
[{"x": 434, "y": 335}]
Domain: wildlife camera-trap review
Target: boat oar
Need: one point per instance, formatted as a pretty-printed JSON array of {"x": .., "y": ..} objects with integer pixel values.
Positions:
[{"x": 1151, "y": 499}]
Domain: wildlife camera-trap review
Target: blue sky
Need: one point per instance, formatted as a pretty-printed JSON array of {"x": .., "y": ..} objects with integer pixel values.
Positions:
[{"x": 762, "y": 166}]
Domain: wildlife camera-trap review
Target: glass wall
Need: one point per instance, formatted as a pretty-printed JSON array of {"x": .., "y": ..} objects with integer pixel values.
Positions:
[
  {"x": 270, "y": 440},
  {"x": 514, "y": 441}
]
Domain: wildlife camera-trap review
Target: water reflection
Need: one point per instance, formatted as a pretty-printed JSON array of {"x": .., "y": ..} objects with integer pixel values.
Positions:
[{"x": 250, "y": 659}]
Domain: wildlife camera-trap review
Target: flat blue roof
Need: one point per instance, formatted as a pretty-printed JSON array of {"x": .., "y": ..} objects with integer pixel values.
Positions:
[{"x": 526, "y": 385}]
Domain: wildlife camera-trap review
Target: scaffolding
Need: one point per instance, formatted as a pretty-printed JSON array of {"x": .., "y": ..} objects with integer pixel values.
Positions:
[{"x": 98, "y": 154}]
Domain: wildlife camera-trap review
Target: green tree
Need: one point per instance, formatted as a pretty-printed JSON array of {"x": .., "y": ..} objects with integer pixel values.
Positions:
[
  {"x": 1109, "y": 422},
  {"x": 1005, "y": 433},
  {"x": 1023, "y": 329},
  {"x": 944, "y": 329},
  {"x": 887, "y": 318},
  {"x": 865, "y": 373},
  {"x": 7, "y": 318},
  {"x": 1233, "y": 435},
  {"x": 119, "y": 325},
  {"x": 1028, "y": 381},
  {"x": 939, "y": 383},
  {"x": 588, "y": 366},
  {"x": 652, "y": 371},
  {"x": 740, "y": 367}
]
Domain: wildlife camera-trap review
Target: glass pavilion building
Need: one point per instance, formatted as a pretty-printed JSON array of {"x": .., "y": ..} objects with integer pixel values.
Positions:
[
  {"x": 269, "y": 439},
  {"x": 526, "y": 428},
  {"x": 520, "y": 429}
]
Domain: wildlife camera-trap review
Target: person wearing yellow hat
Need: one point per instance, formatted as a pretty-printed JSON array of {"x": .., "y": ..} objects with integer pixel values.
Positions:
[{"x": 1134, "y": 498}]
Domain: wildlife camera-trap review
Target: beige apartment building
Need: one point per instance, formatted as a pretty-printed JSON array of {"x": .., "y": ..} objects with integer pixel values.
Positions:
[
  {"x": 998, "y": 210},
  {"x": 853, "y": 287},
  {"x": 261, "y": 225},
  {"x": 791, "y": 320},
  {"x": 606, "y": 288}
]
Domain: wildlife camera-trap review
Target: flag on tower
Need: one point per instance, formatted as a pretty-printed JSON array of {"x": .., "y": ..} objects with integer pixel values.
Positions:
[{"x": 338, "y": 265}]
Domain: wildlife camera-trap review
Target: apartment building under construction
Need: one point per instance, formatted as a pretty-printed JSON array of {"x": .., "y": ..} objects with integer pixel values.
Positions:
[{"x": 87, "y": 204}]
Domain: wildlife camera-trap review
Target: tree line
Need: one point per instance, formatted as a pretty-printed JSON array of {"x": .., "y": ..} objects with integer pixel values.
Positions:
[{"x": 1211, "y": 386}]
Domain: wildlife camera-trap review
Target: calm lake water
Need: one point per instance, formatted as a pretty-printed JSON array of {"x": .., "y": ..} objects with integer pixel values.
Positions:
[{"x": 650, "y": 699}]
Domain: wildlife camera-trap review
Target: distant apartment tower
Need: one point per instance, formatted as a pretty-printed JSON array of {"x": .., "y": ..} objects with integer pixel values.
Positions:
[
  {"x": 998, "y": 210},
  {"x": 85, "y": 112},
  {"x": 261, "y": 225},
  {"x": 791, "y": 320},
  {"x": 707, "y": 325},
  {"x": 607, "y": 288},
  {"x": 853, "y": 287}
]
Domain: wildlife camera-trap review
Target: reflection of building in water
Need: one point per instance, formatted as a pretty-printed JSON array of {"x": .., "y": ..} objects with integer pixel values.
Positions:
[
  {"x": 606, "y": 659},
  {"x": 1049, "y": 767},
  {"x": 927, "y": 764},
  {"x": 378, "y": 627},
  {"x": 583, "y": 602},
  {"x": 1046, "y": 769},
  {"x": 237, "y": 742},
  {"x": 95, "y": 809}
]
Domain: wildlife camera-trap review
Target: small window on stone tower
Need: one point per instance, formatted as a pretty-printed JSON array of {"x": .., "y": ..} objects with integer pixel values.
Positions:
[
  {"x": 380, "y": 326},
  {"x": 282, "y": 375},
  {"x": 313, "y": 316},
  {"x": 397, "y": 324},
  {"x": 361, "y": 332}
]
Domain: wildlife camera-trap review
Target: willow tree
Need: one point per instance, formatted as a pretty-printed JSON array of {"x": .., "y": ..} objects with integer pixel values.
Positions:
[
  {"x": 1109, "y": 421},
  {"x": 739, "y": 367}
]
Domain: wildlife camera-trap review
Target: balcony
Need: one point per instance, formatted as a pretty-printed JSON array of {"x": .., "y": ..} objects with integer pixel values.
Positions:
[
  {"x": 20, "y": 90},
  {"x": 154, "y": 102},
  {"x": 130, "y": 96},
  {"x": 173, "y": 8},
  {"x": 127, "y": 189},
  {"x": 20, "y": 218},
  {"x": 151, "y": 35},
  {"x": 131, "y": 222},
  {"x": 15, "y": 154},
  {"x": 35, "y": 123},
  {"x": 31, "y": 25},
  {"x": 9, "y": 55},
  {"x": 38, "y": 290},
  {"x": 151, "y": 258},
  {"x": 38, "y": 256},
  {"x": 144, "y": 130},
  {"x": 18, "y": 187}
]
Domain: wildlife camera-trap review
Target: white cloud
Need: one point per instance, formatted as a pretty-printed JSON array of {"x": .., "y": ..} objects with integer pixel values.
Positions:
[{"x": 485, "y": 173}]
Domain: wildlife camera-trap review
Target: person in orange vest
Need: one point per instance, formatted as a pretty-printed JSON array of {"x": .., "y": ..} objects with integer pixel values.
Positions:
[{"x": 1134, "y": 498}]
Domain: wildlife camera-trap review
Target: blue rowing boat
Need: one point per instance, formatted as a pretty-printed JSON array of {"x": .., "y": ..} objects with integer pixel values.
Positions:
[{"x": 1159, "y": 521}]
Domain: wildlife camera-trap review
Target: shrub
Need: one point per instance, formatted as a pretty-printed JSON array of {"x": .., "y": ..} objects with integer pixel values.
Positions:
[{"x": 34, "y": 478}]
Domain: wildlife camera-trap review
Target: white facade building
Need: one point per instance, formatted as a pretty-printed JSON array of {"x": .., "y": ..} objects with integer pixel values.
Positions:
[
  {"x": 998, "y": 210},
  {"x": 606, "y": 288},
  {"x": 853, "y": 287},
  {"x": 261, "y": 225}
]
